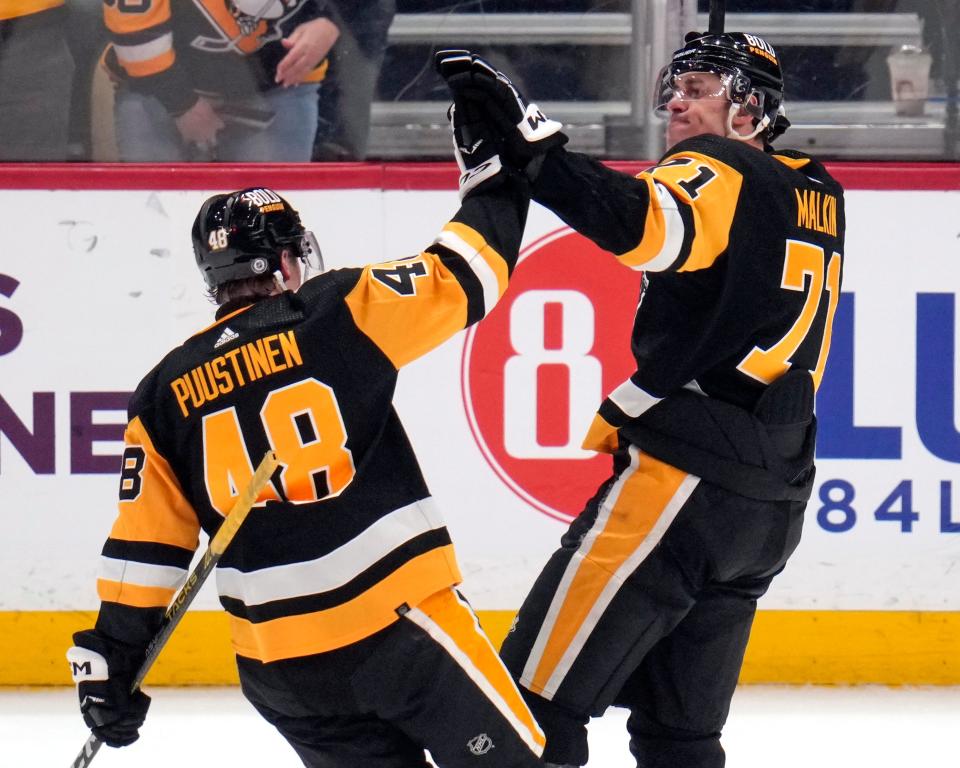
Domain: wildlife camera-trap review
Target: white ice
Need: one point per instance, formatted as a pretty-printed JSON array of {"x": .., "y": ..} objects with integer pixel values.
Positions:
[{"x": 769, "y": 727}]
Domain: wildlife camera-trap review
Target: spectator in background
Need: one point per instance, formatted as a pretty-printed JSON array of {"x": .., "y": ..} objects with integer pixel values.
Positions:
[
  {"x": 231, "y": 80},
  {"x": 36, "y": 75},
  {"x": 347, "y": 92}
]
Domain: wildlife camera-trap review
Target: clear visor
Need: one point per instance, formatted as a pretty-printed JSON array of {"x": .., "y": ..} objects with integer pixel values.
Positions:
[
  {"x": 690, "y": 85},
  {"x": 311, "y": 257}
]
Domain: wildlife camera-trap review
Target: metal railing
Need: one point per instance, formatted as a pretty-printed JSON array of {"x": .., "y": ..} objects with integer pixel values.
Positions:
[
  {"x": 615, "y": 28},
  {"x": 619, "y": 128},
  {"x": 855, "y": 130}
]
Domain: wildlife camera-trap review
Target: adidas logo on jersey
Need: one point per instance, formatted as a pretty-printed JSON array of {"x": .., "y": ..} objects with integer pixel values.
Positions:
[{"x": 226, "y": 337}]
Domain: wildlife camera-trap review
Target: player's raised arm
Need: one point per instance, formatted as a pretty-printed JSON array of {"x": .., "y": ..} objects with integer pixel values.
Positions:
[
  {"x": 605, "y": 205},
  {"x": 411, "y": 305}
]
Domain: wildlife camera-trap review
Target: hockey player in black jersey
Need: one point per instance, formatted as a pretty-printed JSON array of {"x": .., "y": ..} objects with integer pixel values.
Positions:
[
  {"x": 349, "y": 633},
  {"x": 649, "y": 600}
]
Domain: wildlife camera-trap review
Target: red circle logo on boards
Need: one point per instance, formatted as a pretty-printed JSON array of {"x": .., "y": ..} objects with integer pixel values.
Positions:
[{"x": 536, "y": 369}]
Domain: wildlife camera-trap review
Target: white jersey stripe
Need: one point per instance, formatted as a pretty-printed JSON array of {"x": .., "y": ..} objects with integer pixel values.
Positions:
[
  {"x": 141, "y": 574},
  {"x": 478, "y": 265},
  {"x": 632, "y": 400},
  {"x": 336, "y": 568},
  {"x": 145, "y": 51},
  {"x": 673, "y": 232},
  {"x": 437, "y": 632}
]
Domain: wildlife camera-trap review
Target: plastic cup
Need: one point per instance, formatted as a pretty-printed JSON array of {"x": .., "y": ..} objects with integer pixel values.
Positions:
[{"x": 909, "y": 79}]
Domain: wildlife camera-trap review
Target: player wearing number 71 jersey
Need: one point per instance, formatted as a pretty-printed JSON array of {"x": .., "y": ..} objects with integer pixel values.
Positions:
[
  {"x": 349, "y": 634},
  {"x": 649, "y": 601}
]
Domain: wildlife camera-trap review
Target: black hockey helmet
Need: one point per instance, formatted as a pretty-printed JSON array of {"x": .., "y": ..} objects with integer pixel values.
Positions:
[
  {"x": 242, "y": 235},
  {"x": 748, "y": 66}
]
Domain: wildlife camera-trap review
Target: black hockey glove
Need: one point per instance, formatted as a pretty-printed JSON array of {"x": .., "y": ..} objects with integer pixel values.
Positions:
[
  {"x": 526, "y": 132},
  {"x": 475, "y": 147},
  {"x": 104, "y": 671}
]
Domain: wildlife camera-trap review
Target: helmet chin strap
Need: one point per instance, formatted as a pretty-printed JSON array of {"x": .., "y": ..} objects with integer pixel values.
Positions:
[{"x": 732, "y": 112}]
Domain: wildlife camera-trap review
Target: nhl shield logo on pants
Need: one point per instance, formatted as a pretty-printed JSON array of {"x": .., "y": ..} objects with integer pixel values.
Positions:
[{"x": 480, "y": 744}]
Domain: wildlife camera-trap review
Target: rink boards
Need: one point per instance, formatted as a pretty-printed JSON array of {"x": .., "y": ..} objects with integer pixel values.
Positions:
[{"x": 97, "y": 282}]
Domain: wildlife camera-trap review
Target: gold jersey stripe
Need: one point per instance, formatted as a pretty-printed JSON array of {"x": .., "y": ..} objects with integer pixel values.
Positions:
[
  {"x": 223, "y": 319},
  {"x": 149, "y": 67},
  {"x": 601, "y": 437},
  {"x": 654, "y": 232},
  {"x": 645, "y": 492},
  {"x": 160, "y": 514},
  {"x": 792, "y": 162},
  {"x": 134, "y": 594},
  {"x": 461, "y": 628},
  {"x": 124, "y": 22},
  {"x": 407, "y": 326},
  {"x": 13, "y": 9},
  {"x": 712, "y": 206},
  {"x": 369, "y": 612},
  {"x": 318, "y": 73}
]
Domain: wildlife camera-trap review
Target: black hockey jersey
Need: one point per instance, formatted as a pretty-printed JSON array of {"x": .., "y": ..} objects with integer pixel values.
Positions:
[
  {"x": 346, "y": 533},
  {"x": 742, "y": 258},
  {"x": 173, "y": 48}
]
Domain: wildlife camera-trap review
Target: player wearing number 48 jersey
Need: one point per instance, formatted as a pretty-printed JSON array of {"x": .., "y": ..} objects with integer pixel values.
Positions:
[
  {"x": 349, "y": 634},
  {"x": 649, "y": 601}
]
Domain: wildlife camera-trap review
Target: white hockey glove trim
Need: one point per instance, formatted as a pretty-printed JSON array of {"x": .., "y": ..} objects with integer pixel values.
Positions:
[
  {"x": 470, "y": 179},
  {"x": 475, "y": 149},
  {"x": 535, "y": 126},
  {"x": 86, "y": 665}
]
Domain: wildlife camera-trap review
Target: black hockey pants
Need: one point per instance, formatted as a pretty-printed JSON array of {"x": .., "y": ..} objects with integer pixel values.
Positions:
[
  {"x": 431, "y": 680},
  {"x": 648, "y": 604}
]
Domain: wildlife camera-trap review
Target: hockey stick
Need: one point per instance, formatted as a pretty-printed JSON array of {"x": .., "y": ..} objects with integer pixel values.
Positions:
[
  {"x": 718, "y": 10},
  {"x": 188, "y": 591}
]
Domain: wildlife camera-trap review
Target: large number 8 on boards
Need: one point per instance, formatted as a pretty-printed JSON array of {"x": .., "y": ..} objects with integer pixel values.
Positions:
[{"x": 522, "y": 391}]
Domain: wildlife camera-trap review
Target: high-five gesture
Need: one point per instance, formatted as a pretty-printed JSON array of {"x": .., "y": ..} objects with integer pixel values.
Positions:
[{"x": 525, "y": 131}]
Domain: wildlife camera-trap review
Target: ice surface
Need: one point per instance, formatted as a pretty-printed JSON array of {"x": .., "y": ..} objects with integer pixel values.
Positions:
[{"x": 785, "y": 727}]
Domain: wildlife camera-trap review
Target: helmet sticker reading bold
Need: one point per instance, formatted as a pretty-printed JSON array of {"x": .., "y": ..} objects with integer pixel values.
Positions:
[
  {"x": 261, "y": 196},
  {"x": 761, "y": 47}
]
